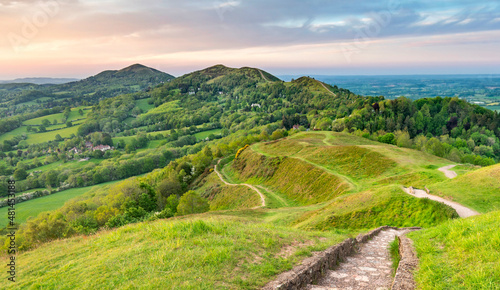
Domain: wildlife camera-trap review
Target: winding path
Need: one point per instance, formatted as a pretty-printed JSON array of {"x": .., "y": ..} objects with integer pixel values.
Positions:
[
  {"x": 263, "y": 200},
  {"x": 462, "y": 211},
  {"x": 447, "y": 172},
  {"x": 369, "y": 268}
]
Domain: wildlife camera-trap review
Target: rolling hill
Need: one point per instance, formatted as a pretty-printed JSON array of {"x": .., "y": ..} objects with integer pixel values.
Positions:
[
  {"x": 16, "y": 99},
  {"x": 330, "y": 164}
]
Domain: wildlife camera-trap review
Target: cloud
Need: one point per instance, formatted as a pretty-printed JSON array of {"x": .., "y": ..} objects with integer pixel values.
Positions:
[{"x": 108, "y": 30}]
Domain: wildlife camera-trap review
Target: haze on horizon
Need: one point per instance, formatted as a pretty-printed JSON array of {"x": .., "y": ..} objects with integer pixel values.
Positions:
[{"x": 79, "y": 38}]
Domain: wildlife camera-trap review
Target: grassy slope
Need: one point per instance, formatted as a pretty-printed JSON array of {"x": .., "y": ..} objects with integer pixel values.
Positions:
[
  {"x": 479, "y": 189},
  {"x": 375, "y": 197},
  {"x": 198, "y": 252},
  {"x": 58, "y": 117},
  {"x": 54, "y": 201},
  {"x": 309, "y": 185},
  {"x": 460, "y": 254},
  {"x": 223, "y": 197},
  {"x": 205, "y": 134}
]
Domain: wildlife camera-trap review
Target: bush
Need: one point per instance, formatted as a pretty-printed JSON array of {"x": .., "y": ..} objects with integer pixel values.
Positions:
[{"x": 191, "y": 202}]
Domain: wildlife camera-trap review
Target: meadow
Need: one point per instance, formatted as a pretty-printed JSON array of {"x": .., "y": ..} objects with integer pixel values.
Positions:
[
  {"x": 221, "y": 252},
  {"x": 32, "y": 208}
]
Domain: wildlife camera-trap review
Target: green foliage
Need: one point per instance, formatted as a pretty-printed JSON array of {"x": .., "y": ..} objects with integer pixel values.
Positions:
[
  {"x": 388, "y": 138},
  {"x": 20, "y": 174},
  {"x": 191, "y": 202},
  {"x": 395, "y": 256}
]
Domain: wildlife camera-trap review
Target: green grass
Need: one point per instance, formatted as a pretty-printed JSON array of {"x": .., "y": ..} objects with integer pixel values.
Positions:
[
  {"x": 205, "y": 134},
  {"x": 395, "y": 257},
  {"x": 74, "y": 115},
  {"x": 460, "y": 254},
  {"x": 32, "y": 208},
  {"x": 196, "y": 252},
  {"x": 297, "y": 180},
  {"x": 170, "y": 107},
  {"x": 224, "y": 197},
  {"x": 16, "y": 132},
  {"x": 479, "y": 189},
  {"x": 143, "y": 104},
  {"x": 376, "y": 207},
  {"x": 67, "y": 165},
  {"x": 35, "y": 138}
]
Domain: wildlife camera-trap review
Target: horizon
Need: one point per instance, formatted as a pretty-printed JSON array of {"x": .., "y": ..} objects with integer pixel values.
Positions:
[
  {"x": 76, "y": 39},
  {"x": 275, "y": 74}
]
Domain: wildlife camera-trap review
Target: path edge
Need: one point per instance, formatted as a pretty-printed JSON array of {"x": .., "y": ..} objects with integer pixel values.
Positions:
[
  {"x": 404, "y": 280},
  {"x": 313, "y": 268}
]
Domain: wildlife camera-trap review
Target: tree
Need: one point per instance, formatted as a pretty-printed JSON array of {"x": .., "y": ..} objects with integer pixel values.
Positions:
[
  {"x": 191, "y": 202},
  {"x": 69, "y": 124},
  {"x": 45, "y": 122},
  {"x": 51, "y": 178},
  {"x": 59, "y": 138},
  {"x": 80, "y": 112},
  {"x": 20, "y": 174},
  {"x": 129, "y": 148}
]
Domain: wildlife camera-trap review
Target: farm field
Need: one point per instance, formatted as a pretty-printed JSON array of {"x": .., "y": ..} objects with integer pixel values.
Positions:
[{"x": 32, "y": 208}]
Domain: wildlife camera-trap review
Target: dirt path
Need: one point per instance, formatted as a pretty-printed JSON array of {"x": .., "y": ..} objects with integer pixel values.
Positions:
[
  {"x": 263, "y": 76},
  {"x": 447, "y": 172},
  {"x": 462, "y": 211},
  {"x": 263, "y": 200},
  {"x": 326, "y": 88},
  {"x": 369, "y": 268}
]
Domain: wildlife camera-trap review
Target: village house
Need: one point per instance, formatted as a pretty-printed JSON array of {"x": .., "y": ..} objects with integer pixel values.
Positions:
[
  {"x": 102, "y": 148},
  {"x": 74, "y": 150}
]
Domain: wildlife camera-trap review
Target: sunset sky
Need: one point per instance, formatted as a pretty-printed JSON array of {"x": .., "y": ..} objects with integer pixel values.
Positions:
[{"x": 79, "y": 38}]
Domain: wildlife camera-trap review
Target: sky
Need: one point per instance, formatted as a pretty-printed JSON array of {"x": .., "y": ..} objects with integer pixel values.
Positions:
[{"x": 79, "y": 38}]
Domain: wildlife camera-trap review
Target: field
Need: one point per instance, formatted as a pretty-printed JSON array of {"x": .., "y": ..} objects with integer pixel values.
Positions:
[
  {"x": 16, "y": 132},
  {"x": 74, "y": 115},
  {"x": 32, "y": 208},
  {"x": 35, "y": 138},
  {"x": 205, "y": 134},
  {"x": 221, "y": 252},
  {"x": 170, "y": 107},
  {"x": 143, "y": 104},
  {"x": 69, "y": 164}
]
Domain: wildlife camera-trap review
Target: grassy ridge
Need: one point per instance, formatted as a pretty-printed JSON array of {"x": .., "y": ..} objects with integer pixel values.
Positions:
[
  {"x": 376, "y": 207},
  {"x": 223, "y": 197},
  {"x": 199, "y": 252},
  {"x": 459, "y": 254},
  {"x": 296, "y": 179}
]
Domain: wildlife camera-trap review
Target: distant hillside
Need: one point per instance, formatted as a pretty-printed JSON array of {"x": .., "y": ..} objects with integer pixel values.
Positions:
[
  {"x": 130, "y": 79},
  {"x": 16, "y": 99},
  {"x": 40, "y": 81}
]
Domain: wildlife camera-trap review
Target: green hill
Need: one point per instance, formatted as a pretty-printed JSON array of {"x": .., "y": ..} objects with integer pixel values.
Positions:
[
  {"x": 26, "y": 98},
  {"x": 329, "y": 163}
]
